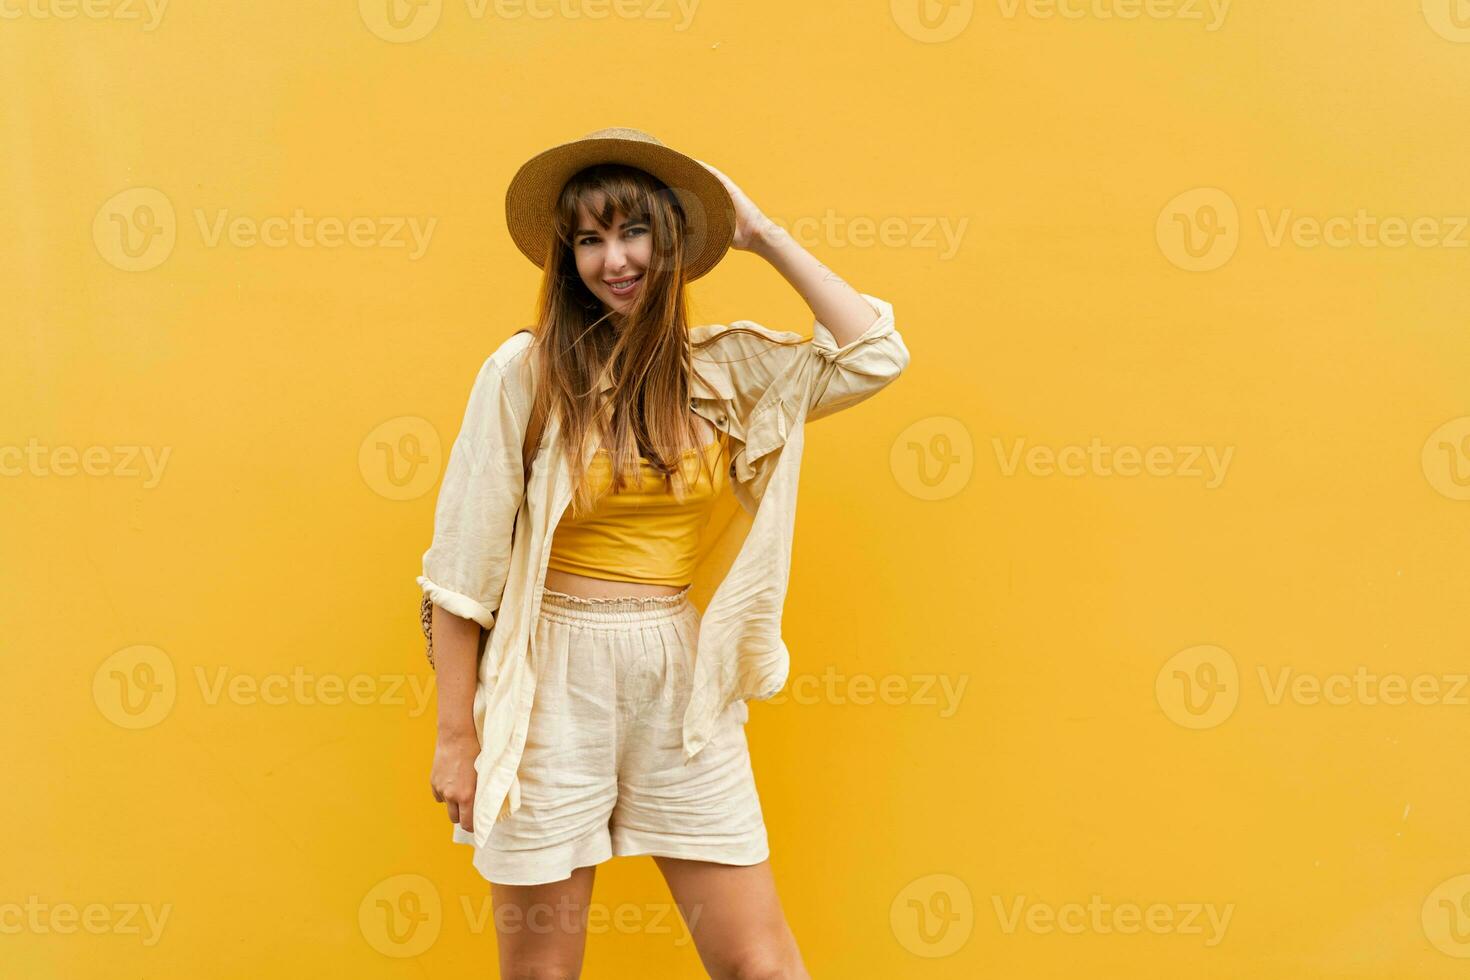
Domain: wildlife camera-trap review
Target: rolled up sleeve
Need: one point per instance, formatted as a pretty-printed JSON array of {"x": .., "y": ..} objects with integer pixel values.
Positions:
[
  {"x": 819, "y": 375},
  {"x": 465, "y": 568},
  {"x": 858, "y": 369}
]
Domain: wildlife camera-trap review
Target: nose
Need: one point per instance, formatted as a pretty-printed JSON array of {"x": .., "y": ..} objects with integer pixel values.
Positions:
[{"x": 616, "y": 261}]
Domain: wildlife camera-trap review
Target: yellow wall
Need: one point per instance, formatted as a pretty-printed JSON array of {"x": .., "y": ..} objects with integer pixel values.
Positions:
[{"x": 1076, "y": 676}]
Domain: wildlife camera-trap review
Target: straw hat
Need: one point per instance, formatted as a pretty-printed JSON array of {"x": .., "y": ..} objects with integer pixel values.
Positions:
[{"x": 531, "y": 197}]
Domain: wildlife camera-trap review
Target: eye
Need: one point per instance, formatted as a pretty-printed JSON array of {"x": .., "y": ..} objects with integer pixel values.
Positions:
[{"x": 630, "y": 230}]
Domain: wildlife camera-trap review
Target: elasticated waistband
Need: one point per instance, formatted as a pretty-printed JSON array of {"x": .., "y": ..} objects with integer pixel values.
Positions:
[{"x": 564, "y": 608}]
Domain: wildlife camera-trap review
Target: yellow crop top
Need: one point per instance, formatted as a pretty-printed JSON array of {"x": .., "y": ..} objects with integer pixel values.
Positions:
[{"x": 643, "y": 534}]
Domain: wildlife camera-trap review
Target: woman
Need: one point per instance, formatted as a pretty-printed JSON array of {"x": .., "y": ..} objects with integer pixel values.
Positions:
[{"x": 617, "y": 471}]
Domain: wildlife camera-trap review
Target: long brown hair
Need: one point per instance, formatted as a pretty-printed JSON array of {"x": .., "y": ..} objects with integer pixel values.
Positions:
[{"x": 648, "y": 347}]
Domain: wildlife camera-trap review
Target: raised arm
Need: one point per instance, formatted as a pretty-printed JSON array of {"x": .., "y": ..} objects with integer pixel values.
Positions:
[
  {"x": 855, "y": 349},
  {"x": 835, "y": 304}
]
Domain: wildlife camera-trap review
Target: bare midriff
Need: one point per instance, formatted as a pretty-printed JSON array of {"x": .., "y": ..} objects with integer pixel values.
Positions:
[
  {"x": 587, "y": 587},
  {"x": 600, "y": 588}
]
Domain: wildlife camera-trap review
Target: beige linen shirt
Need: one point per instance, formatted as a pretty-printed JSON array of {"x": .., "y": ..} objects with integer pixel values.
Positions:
[{"x": 493, "y": 528}]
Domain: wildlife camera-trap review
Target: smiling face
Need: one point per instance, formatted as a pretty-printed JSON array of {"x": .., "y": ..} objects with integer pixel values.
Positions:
[{"x": 608, "y": 255}]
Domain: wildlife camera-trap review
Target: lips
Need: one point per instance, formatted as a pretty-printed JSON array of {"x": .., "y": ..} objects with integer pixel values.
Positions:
[{"x": 624, "y": 286}]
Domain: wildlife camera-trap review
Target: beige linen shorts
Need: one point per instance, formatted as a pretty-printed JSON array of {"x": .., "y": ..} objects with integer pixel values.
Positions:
[{"x": 603, "y": 772}]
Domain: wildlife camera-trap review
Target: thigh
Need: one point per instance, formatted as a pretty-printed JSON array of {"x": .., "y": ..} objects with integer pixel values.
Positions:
[
  {"x": 735, "y": 917},
  {"x": 543, "y": 928}
]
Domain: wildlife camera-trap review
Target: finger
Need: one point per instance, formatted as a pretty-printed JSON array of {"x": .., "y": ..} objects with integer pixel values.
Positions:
[
  {"x": 453, "y": 812},
  {"x": 469, "y": 815},
  {"x": 438, "y": 796}
]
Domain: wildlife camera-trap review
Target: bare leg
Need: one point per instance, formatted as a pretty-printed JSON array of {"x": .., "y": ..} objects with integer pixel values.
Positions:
[
  {"x": 542, "y": 929},
  {"x": 735, "y": 917}
]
